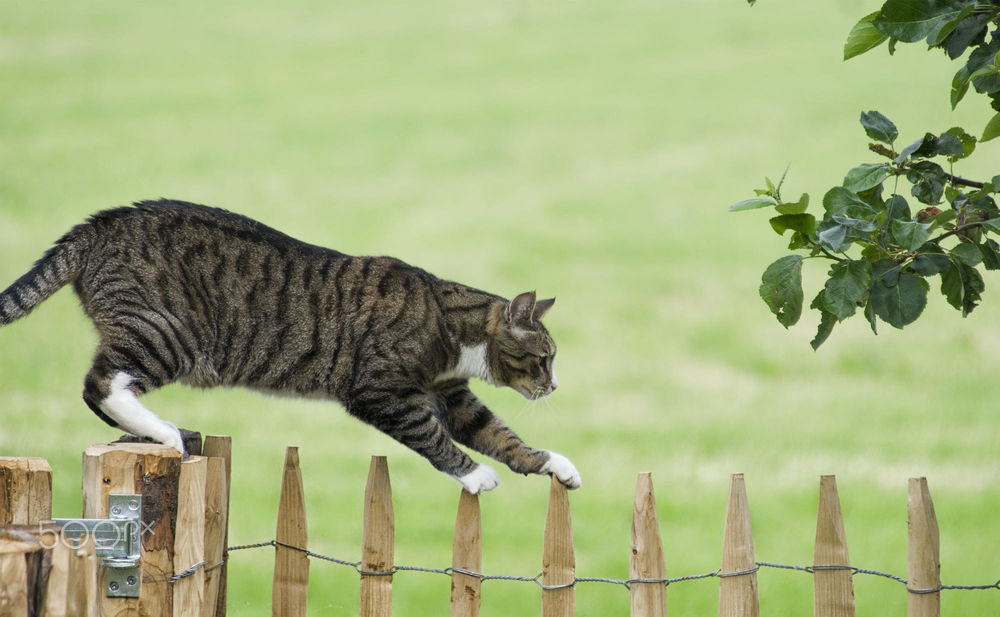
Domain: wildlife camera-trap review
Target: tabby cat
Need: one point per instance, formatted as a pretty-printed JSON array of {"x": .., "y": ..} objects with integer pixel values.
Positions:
[{"x": 184, "y": 292}]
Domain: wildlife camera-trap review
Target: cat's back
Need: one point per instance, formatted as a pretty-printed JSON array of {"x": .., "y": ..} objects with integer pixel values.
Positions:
[{"x": 175, "y": 224}]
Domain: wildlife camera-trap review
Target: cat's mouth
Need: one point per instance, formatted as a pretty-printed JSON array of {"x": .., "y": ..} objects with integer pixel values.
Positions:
[{"x": 533, "y": 394}]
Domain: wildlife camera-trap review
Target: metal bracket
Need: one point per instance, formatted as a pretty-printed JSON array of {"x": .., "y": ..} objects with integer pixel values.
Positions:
[{"x": 117, "y": 540}]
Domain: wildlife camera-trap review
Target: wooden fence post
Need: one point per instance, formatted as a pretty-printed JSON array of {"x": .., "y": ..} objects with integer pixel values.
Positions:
[
  {"x": 25, "y": 490},
  {"x": 833, "y": 588},
  {"x": 291, "y": 567},
  {"x": 85, "y": 592},
  {"x": 379, "y": 537},
  {"x": 467, "y": 554},
  {"x": 220, "y": 450},
  {"x": 152, "y": 470},
  {"x": 738, "y": 578},
  {"x": 189, "y": 592},
  {"x": 558, "y": 560},
  {"x": 646, "y": 560},
  {"x": 923, "y": 563},
  {"x": 20, "y": 574}
]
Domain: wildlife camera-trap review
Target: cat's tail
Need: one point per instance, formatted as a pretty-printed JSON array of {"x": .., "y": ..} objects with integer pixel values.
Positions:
[{"x": 59, "y": 266}]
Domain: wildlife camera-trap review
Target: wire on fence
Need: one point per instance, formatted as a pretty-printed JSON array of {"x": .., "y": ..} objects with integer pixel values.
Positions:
[{"x": 627, "y": 583}]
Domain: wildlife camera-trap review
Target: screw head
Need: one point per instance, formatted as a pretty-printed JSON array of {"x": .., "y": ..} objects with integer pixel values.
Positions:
[
  {"x": 113, "y": 585},
  {"x": 133, "y": 504},
  {"x": 116, "y": 511},
  {"x": 130, "y": 581}
]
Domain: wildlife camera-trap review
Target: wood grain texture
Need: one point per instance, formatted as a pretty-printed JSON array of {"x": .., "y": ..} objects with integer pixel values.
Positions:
[
  {"x": 378, "y": 543},
  {"x": 558, "y": 558},
  {"x": 189, "y": 538},
  {"x": 216, "y": 523},
  {"x": 221, "y": 446},
  {"x": 467, "y": 554},
  {"x": 833, "y": 590},
  {"x": 646, "y": 560},
  {"x": 25, "y": 490},
  {"x": 738, "y": 594},
  {"x": 152, "y": 470},
  {"x": 291, "y": 567},
  {"x": 923, "y": 562}
]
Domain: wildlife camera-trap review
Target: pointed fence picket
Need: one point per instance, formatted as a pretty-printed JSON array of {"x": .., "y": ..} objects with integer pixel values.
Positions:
[{"x": 186, "y": 523}]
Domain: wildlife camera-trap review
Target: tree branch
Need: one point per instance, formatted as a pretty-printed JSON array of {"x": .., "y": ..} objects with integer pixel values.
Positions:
[{"x": 954, "y": 180}]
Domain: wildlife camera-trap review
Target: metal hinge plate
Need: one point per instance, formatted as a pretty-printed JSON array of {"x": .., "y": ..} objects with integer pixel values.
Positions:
[{"x": 117, "y": 540}]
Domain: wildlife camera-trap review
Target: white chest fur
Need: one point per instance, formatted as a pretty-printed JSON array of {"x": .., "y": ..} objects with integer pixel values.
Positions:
[{"x": 471, "y": 363}]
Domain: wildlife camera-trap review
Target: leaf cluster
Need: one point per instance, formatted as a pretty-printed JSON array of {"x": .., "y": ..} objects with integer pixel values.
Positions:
[
  {"x": 953, "y": 26},
  {"x": 885, "y": 248}
]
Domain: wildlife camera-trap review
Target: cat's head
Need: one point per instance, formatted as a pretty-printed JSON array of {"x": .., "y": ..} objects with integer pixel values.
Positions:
[{"x": 521, "y": 353}]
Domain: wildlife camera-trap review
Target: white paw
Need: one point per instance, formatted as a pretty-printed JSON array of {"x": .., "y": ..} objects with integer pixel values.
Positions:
[
  {"x": 563, "y": 469},
  {"x": 171, "y": 436},
  {"x": 482, "y": 478}
]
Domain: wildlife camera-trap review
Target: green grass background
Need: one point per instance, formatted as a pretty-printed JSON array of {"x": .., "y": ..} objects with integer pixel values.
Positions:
[{"x": 584, "y": 149}]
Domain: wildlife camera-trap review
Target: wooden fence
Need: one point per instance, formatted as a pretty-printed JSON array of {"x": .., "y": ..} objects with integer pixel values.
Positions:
[{"x": 185, "y": 514}]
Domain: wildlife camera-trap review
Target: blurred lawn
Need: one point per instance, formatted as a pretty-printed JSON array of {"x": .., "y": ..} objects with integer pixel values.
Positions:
[{"x": 586, "y": 150}]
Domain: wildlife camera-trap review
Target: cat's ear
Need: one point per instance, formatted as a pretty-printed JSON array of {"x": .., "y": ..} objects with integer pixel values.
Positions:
[
  {"x": 519, "y": 311},
  {"x": 542, "y": 307}
]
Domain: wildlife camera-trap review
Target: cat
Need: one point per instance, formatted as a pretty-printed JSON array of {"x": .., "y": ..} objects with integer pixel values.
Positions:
[{"x": 181, "y": 292}]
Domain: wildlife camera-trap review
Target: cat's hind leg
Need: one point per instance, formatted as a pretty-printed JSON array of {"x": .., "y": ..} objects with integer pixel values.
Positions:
[{"x": 113, "y": 394}]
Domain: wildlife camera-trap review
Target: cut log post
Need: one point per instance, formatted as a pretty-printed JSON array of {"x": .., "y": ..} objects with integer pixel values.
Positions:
[
  {"x": 291, "y": 566},
  {"x": 378, "y": 544},
  {"x": 189, "y": 539},
  {"x": 738, "y": 576},
  {"x": 25, "y": 490},
  {"x": 221, "y": 448},
  {"x": 467, "y": 554},
  {"x": 21, "y": 574},
  {"x": 646, "y": 560},
  {"x": 558, "y": 559},
  {"x": 923, "y": 564},
  {"x": 833, "y": 588},
  {"x": 152, "y": 470}
]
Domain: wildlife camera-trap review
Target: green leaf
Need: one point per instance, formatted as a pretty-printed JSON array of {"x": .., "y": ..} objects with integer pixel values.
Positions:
[
  {"x": 866, "y": 176},
  {"x": 968, "y": 142},
  {"x": 902, "y": 303},
  {"x": 959, "y": 85},
  {"x": 992, "y": 129},
  {"x": 751, "y": 204},
  {"x": 794, "y": 207},
  {"x": 929, "y": 264},
  {"x": 846, "y": 288},
  {"x": 910, "y": 235},
  {"x": 864, "y": 36},
  {"x": 962, "y": 286},
  {"x": 878, "y": 127},
  {"x": 928, "y": 180},
  {"x": 991, "y": 254},
  {"x": 886, "y": 272},
  {"x": 938, "y": 37},
  {"x": 967, "y": 253},
  {"x": 949, "y": 145},
  {"x": 870, "y": 316},
  {"x": 802, "y": 223},
  {"x": 897, "y": 208},
  {"x": 781, "y": 289},
  {"x": 827, "y": 321},
  {"x": 840, "y": 200},
  {"x": 992, "y": 225},
  {"x": 912, "y": 20}
]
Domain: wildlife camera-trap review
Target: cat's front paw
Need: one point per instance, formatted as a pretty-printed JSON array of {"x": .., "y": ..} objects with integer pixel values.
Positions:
[
  {"x": 481, "y": 479},
  {"x": 561, "y": 467}
]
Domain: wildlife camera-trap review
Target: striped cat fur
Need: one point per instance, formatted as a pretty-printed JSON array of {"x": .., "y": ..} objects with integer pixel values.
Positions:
[{"x": 180, "y": 292}]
